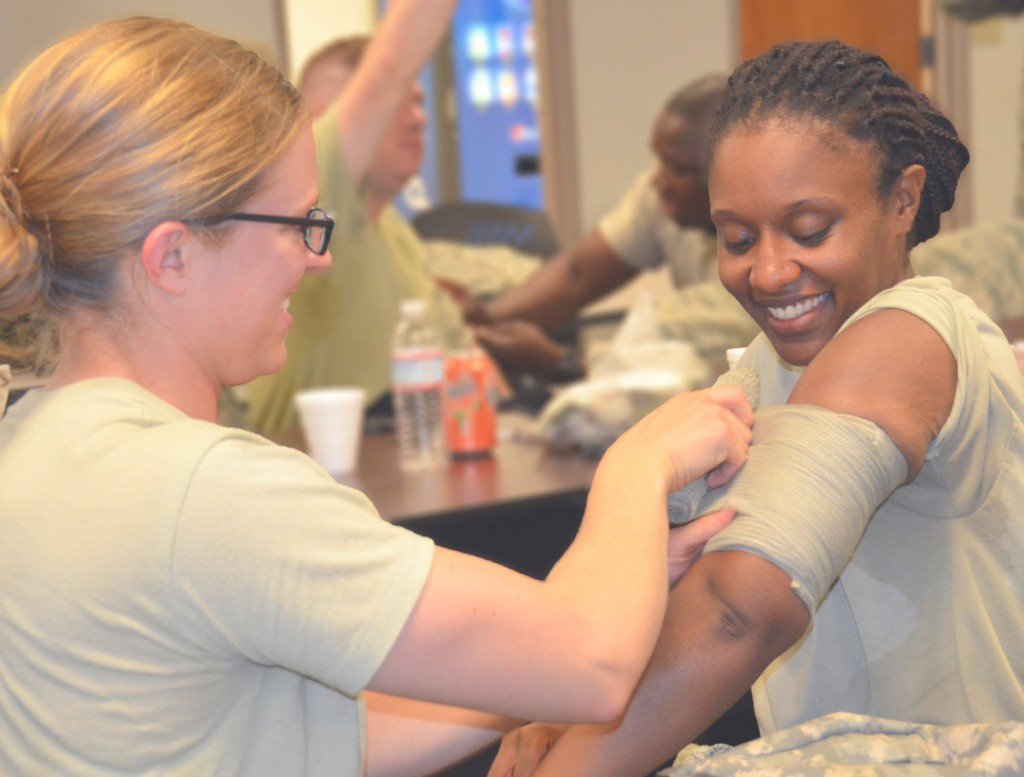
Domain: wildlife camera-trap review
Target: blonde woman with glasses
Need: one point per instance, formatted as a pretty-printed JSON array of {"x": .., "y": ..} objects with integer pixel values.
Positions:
[{"x": 180, "y": 597}]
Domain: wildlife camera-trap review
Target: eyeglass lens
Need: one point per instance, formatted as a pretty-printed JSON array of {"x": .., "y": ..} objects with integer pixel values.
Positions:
[{"x": 316, "y": 237}]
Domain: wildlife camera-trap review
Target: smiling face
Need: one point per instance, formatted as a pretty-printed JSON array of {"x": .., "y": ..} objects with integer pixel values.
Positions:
[
  {"x": 680, "y": 178},
  {"x": 804, "y": 237},
  {"x": 249, "y": 275}
]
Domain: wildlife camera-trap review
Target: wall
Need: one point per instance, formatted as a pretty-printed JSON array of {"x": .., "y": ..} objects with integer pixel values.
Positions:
[
  {"x": 627, "y": 60},
  {"x": 312, "y": 23},
  {"x": 996, "y": 65},
  {"x": 27, "y": 27}
]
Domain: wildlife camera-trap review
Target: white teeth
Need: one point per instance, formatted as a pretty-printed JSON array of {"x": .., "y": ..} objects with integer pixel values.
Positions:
[
  {"x": 798, "y": 308},
  {"x": 287, "y": 302}
]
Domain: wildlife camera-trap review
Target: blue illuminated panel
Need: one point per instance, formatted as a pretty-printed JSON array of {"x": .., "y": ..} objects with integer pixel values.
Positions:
[{"x": 496, "y": 96}]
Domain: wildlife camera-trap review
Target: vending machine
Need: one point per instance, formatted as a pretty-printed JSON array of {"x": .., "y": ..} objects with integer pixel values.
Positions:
[
  {"x": 481, "y": 96},
  {"x": 494, "y": 76}
]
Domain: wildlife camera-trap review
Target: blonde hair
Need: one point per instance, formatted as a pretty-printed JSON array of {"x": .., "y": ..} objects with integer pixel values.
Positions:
[{"x": 112, "y": 131}]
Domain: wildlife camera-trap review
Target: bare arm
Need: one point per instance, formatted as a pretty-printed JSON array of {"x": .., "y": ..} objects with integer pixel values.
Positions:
[
  {"x": 564, "y": 285},
  {"x": 407, "y": 737},
  {"x": 728, "y": 618},
  {"x": 734, "y": 612},
  {"x": 573, "y": 646},
  {"x": 892, "y": 369},
  {"x": 407, "y": 37},
  {"x": 1013, "y": 328}
]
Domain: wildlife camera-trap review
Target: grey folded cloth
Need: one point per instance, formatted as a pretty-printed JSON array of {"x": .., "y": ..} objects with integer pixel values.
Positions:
[{"x": 682, "y": 504}]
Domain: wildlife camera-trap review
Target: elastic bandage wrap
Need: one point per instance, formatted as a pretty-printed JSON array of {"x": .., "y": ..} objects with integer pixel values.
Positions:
[
  {"x": 682, "y": 504},
  {"x": 812, "y": 480}
]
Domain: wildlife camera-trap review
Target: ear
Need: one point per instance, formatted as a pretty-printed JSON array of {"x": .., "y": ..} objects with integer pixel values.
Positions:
[
  {"x": 165, "y": 257},
  {"x": 906, "y": 197}
]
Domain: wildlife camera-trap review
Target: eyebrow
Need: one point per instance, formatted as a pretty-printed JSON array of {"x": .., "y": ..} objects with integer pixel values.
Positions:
[{"x": 814, "y": 202}]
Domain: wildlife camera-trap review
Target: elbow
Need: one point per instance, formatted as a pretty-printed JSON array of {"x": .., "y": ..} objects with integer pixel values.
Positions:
[
  {"x": 607, "y": 677},
  {"x": 755, "y": 605}
]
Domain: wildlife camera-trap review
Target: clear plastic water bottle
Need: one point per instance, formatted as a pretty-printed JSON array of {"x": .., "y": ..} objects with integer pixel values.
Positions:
[{"x": 417, "y": 383}]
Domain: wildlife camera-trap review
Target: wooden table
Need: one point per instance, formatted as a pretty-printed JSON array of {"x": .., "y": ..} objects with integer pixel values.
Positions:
[
  {"x": 521, "y": 506},
  {"x": 518, "y": 473}
]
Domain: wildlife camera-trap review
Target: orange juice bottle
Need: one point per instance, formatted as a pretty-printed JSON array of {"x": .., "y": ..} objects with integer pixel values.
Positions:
[{"x": 470, "y": 403}]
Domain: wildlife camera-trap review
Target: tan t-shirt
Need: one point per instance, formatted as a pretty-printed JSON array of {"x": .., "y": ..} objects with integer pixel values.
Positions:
[
  {"x": 700, "y": 311},
  {"x": 924, "y": 622},
  {"x": 182, "y": 597}
]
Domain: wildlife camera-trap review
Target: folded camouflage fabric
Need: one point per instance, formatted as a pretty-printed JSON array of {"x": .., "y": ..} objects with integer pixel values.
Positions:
[
  {"x": 985, "y": 262},
  {"x": 485, "y": 270},
  {"x": 846, "y": 745}
]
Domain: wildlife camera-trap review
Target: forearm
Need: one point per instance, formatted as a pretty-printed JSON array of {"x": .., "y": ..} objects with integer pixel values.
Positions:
[
  {"x": 407, "y": 737},
  {"x": 405, "y": 40},
  {"x": 709, "y": 653},
  {"x": 408, "y": 35},
  {"x": 615, "y": 574},
  {"x": 564, "y": 285}
]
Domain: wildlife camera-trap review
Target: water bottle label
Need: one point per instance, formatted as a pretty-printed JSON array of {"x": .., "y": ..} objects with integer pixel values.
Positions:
[{"x": 417, "y": 370}]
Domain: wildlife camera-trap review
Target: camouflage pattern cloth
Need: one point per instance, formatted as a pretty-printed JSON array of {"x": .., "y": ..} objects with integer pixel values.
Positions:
[
  {"x": 708, "y": 317},
  {"x": 847, "y": 745},
  {"x": 485, "y": 270},
  {"x": 703, "y": 314},
  {"x": 984, "y": 262}
]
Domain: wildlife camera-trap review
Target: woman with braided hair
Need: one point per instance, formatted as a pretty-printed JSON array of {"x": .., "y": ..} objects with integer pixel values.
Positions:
[{"x": 874, "y": 565}]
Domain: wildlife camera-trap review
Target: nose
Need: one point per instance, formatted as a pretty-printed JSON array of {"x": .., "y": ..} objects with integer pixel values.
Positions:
[
  {"x": 772, "y": 269},
  {"x": 316, "y": 263},
  {"x": 418, "y": 115}
]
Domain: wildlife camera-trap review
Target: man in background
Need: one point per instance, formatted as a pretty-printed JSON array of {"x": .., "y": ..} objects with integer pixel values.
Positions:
[
  {"x": 663, "y": 219},
  {"x": 369, "y": 130}
]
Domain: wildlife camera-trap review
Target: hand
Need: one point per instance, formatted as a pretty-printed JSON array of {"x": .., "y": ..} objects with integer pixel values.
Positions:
[
  {"x": 692, "y": 434},
  {"x": 685, "y": 543},
  {"x": 473, "y": 310},
  {"x": 520, "y": 346},
  {"x": 522, "y": 749}
]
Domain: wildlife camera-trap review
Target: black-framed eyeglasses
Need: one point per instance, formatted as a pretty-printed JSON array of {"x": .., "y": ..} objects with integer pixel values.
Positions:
[{"x": 316, "y": 226}]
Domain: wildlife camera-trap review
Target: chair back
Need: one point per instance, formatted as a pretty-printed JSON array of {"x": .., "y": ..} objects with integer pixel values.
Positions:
[{"x": 486, "y": 223}]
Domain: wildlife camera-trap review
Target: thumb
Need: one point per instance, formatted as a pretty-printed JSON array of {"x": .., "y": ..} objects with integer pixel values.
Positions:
[{"x": 696, "y": 533}]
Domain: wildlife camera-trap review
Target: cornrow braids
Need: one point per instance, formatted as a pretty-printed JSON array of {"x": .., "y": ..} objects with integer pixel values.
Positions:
[{"x": 858, "y": 92}]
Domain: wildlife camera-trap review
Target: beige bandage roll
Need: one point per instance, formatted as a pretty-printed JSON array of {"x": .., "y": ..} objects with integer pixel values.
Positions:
[
  {"x": 682, "y": 504},
  {"x": 812, "y": 480}
]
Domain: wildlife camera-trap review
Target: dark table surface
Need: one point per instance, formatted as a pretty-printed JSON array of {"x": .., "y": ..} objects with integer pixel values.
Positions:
[{"x": 521, "y": 471}]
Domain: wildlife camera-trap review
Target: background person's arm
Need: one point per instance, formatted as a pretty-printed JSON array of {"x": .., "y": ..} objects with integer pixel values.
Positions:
[
  {"x": 565, "y": 284},
  {"x": 400, "y": 47}
]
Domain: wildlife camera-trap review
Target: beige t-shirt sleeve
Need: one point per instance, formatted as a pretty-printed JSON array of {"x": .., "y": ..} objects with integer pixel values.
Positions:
[
  {"x": 317, "y": 582},
  {"x": 631, "y": 227}
]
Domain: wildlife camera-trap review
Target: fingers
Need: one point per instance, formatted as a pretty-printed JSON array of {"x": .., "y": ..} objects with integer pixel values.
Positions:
[
  {"x": 693, "y": 535},
  {"x": 523, "y": 749},
  {"x": 686, "y": 543},
  {"x": 736, "y": 441},
  {"x": 733, "y": 398}
]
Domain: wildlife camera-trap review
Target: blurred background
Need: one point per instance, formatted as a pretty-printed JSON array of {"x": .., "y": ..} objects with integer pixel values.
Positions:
[{"x": 548, "y": 103}]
